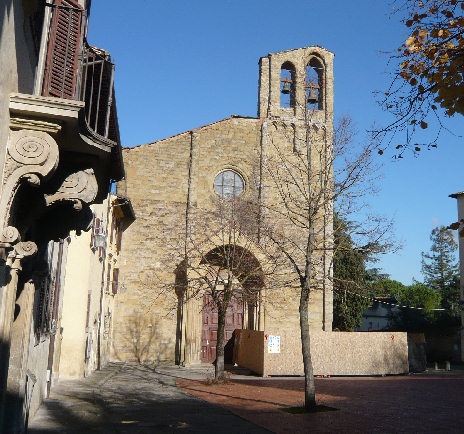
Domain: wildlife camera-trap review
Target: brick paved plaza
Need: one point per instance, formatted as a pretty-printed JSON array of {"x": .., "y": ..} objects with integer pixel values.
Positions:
[{"x": 135, "y": 399}]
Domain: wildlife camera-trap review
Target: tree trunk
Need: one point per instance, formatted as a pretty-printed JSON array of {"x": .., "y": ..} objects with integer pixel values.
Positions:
[
  {"x": 310, "y": 390},
  {"x": 219, "y": 369}
]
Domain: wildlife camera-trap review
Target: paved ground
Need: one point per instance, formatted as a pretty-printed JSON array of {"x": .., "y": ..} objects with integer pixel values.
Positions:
[
  {"x": 133, "y": 399},
  {"x": 406, "y": 404}
]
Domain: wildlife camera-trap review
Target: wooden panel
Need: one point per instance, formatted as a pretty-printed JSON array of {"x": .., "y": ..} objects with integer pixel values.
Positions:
[{"x": 234, "y": 320}]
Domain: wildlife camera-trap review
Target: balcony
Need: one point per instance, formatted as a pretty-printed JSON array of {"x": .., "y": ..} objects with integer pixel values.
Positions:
[{"x": 78, "y": 71}]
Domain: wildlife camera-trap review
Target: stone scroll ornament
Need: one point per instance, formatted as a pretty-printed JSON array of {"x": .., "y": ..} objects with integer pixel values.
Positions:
[
  {"x": 25, "y": 248},
  {"x": 79, "y": 187},
  {"x": 31, "y": 156}
]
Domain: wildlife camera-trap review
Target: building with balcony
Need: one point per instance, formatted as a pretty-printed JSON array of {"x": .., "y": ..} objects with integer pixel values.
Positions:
[{"x": 59, "y": 152}]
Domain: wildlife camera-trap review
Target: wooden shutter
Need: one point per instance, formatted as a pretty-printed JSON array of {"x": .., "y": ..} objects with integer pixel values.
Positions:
[
  {"x": 61, "y": 68},
  {"x": 92, "y": 233},
  {"x": 118, "y": 236},
  {"x": 115, "y": 281},
  {"x": 113, "y": 218},
  {"x": 108, "y": 278},
  {"x": 95, "y": 230},
  {"x": 87, "y": 319}
]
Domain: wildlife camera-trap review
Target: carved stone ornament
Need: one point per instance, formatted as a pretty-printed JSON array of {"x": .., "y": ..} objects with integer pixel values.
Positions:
[
  {"x": 31, "y": 156},
  {"x": 78, "y": 187},
  {"x": 25, "y": 248},
  {"x": 10, "y": 235},
  {"x": 21, "y": 250}
]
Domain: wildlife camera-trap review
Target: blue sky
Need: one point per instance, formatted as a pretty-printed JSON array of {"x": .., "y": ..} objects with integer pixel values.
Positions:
[{"x": 181, "y": 64}]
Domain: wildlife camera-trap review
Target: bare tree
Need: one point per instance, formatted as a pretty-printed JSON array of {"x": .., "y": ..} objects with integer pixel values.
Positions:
[
  {"x": 306, "y": 171},
  {"x": 219, "y": 262}
]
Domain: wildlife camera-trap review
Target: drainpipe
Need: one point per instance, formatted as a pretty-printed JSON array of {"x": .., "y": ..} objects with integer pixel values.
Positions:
[{"x": 182, "y": 334}]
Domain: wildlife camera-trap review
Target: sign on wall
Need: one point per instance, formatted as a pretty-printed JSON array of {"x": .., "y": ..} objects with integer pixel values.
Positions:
[{"x": 273, "y": 344}]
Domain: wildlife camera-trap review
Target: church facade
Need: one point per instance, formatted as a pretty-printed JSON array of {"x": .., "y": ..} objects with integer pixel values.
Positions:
[{"x": 174, "y": 181}]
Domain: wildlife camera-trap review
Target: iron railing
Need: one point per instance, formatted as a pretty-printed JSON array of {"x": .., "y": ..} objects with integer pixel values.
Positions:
[
  {"x": 97, "y": 91},
  {"x": 76, "y": 70}
]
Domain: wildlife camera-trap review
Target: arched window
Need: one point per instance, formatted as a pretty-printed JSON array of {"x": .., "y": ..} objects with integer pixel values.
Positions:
[
  {"x": 314, "y": 84},
  {"x": 287, "y": 85},
  {"x": 228, "y": 184}
]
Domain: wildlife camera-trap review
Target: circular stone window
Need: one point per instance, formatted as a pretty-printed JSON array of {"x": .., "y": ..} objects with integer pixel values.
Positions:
[{"x": 228, "y": 184}]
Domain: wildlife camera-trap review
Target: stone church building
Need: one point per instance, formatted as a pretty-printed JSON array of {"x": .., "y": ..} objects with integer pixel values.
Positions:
[{"x": 168, "y": 179}]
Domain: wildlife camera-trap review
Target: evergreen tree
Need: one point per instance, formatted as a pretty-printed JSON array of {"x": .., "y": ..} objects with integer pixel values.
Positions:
[
  {"x": 440, "y": 266},
  {"x": 451, "y": 297},
  {"x": 349, "y": 279}
]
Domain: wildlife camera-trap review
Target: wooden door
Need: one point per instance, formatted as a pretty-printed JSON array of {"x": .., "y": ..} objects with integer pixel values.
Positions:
[{"x": 234, "y": 320}]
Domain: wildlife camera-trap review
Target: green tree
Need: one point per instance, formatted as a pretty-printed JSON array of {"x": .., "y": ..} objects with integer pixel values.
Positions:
[
  {"x": 349, "y": 280},
  {"x": 451, "y": 297},
  {"x": 388, "y": 287},
  {"x": 440, "y": 267},
  {"x": 416, "y": 320},
  {"x": 420, "y": 295}
]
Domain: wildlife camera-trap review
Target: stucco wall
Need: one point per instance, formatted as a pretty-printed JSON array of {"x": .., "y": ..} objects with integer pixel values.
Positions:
[
  {"x": 83, "y": 277},
  {"x": 75, "y": 293},
  {"x": 333, "y": 353}
]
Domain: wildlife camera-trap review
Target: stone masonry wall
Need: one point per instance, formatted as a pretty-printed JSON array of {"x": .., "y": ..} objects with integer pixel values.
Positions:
[{"x": 161, "y": 178}]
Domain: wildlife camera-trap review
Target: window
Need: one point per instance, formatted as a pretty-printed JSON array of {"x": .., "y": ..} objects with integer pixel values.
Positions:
[
  {"x": 61, "y": 68},
  {"x": 287, "y": 85},
  {"x": 228, "y": 184},
  {"x": 114, "y": 283}
]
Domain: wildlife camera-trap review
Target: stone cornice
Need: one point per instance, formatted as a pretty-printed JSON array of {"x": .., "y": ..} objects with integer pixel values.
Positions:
[
  {"x": 41, "y": 106},
  {"x": 17, "y": 123}
]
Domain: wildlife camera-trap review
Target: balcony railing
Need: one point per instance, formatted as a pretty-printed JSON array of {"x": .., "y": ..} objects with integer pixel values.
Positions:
[
  {"x": 76, "y": 70},
  {"x": 97, "y": 91}
]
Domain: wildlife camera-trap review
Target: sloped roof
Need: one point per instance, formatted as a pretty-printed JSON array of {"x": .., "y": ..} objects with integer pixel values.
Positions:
[{"x": 193, "y": 130}]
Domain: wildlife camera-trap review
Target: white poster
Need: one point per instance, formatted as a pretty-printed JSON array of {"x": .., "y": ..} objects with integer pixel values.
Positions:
[{"x": 274, "y": 344}]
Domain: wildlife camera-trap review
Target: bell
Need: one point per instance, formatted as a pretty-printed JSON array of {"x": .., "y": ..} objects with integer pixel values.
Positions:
[
  {"x": 286, "y": 88},
  {"x": 312, "y": 96}
]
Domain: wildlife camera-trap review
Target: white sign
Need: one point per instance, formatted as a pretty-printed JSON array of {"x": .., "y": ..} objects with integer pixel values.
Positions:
[{"x": 274, "y": 344}]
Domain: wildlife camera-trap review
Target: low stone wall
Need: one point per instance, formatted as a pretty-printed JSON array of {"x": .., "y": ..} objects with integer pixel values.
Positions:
[{"x": 333, "y": 353}]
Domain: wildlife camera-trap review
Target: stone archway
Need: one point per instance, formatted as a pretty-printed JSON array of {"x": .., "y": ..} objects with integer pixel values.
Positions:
[{"x": 197, "y": 335}]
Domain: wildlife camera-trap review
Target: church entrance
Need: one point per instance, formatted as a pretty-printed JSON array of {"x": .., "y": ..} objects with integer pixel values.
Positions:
[{"x": 234, "y": 320}]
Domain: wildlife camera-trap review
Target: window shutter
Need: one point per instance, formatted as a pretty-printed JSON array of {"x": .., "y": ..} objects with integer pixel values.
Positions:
[
  {"x": 113, "y": 218},
  {"x": 118, "y": 236},
  {"x": 115, "y": 281},
  {"x": 92, "y": 233},
  {"x": 108, "y": 278},
  {"x": 87, "y": 319},
  {"x": 61, "y": 68}
]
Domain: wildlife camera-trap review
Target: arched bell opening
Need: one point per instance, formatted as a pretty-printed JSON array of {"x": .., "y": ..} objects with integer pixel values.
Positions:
[
  {"x": 314, "y": 84},
  {"x": 287, "y": 85}
]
